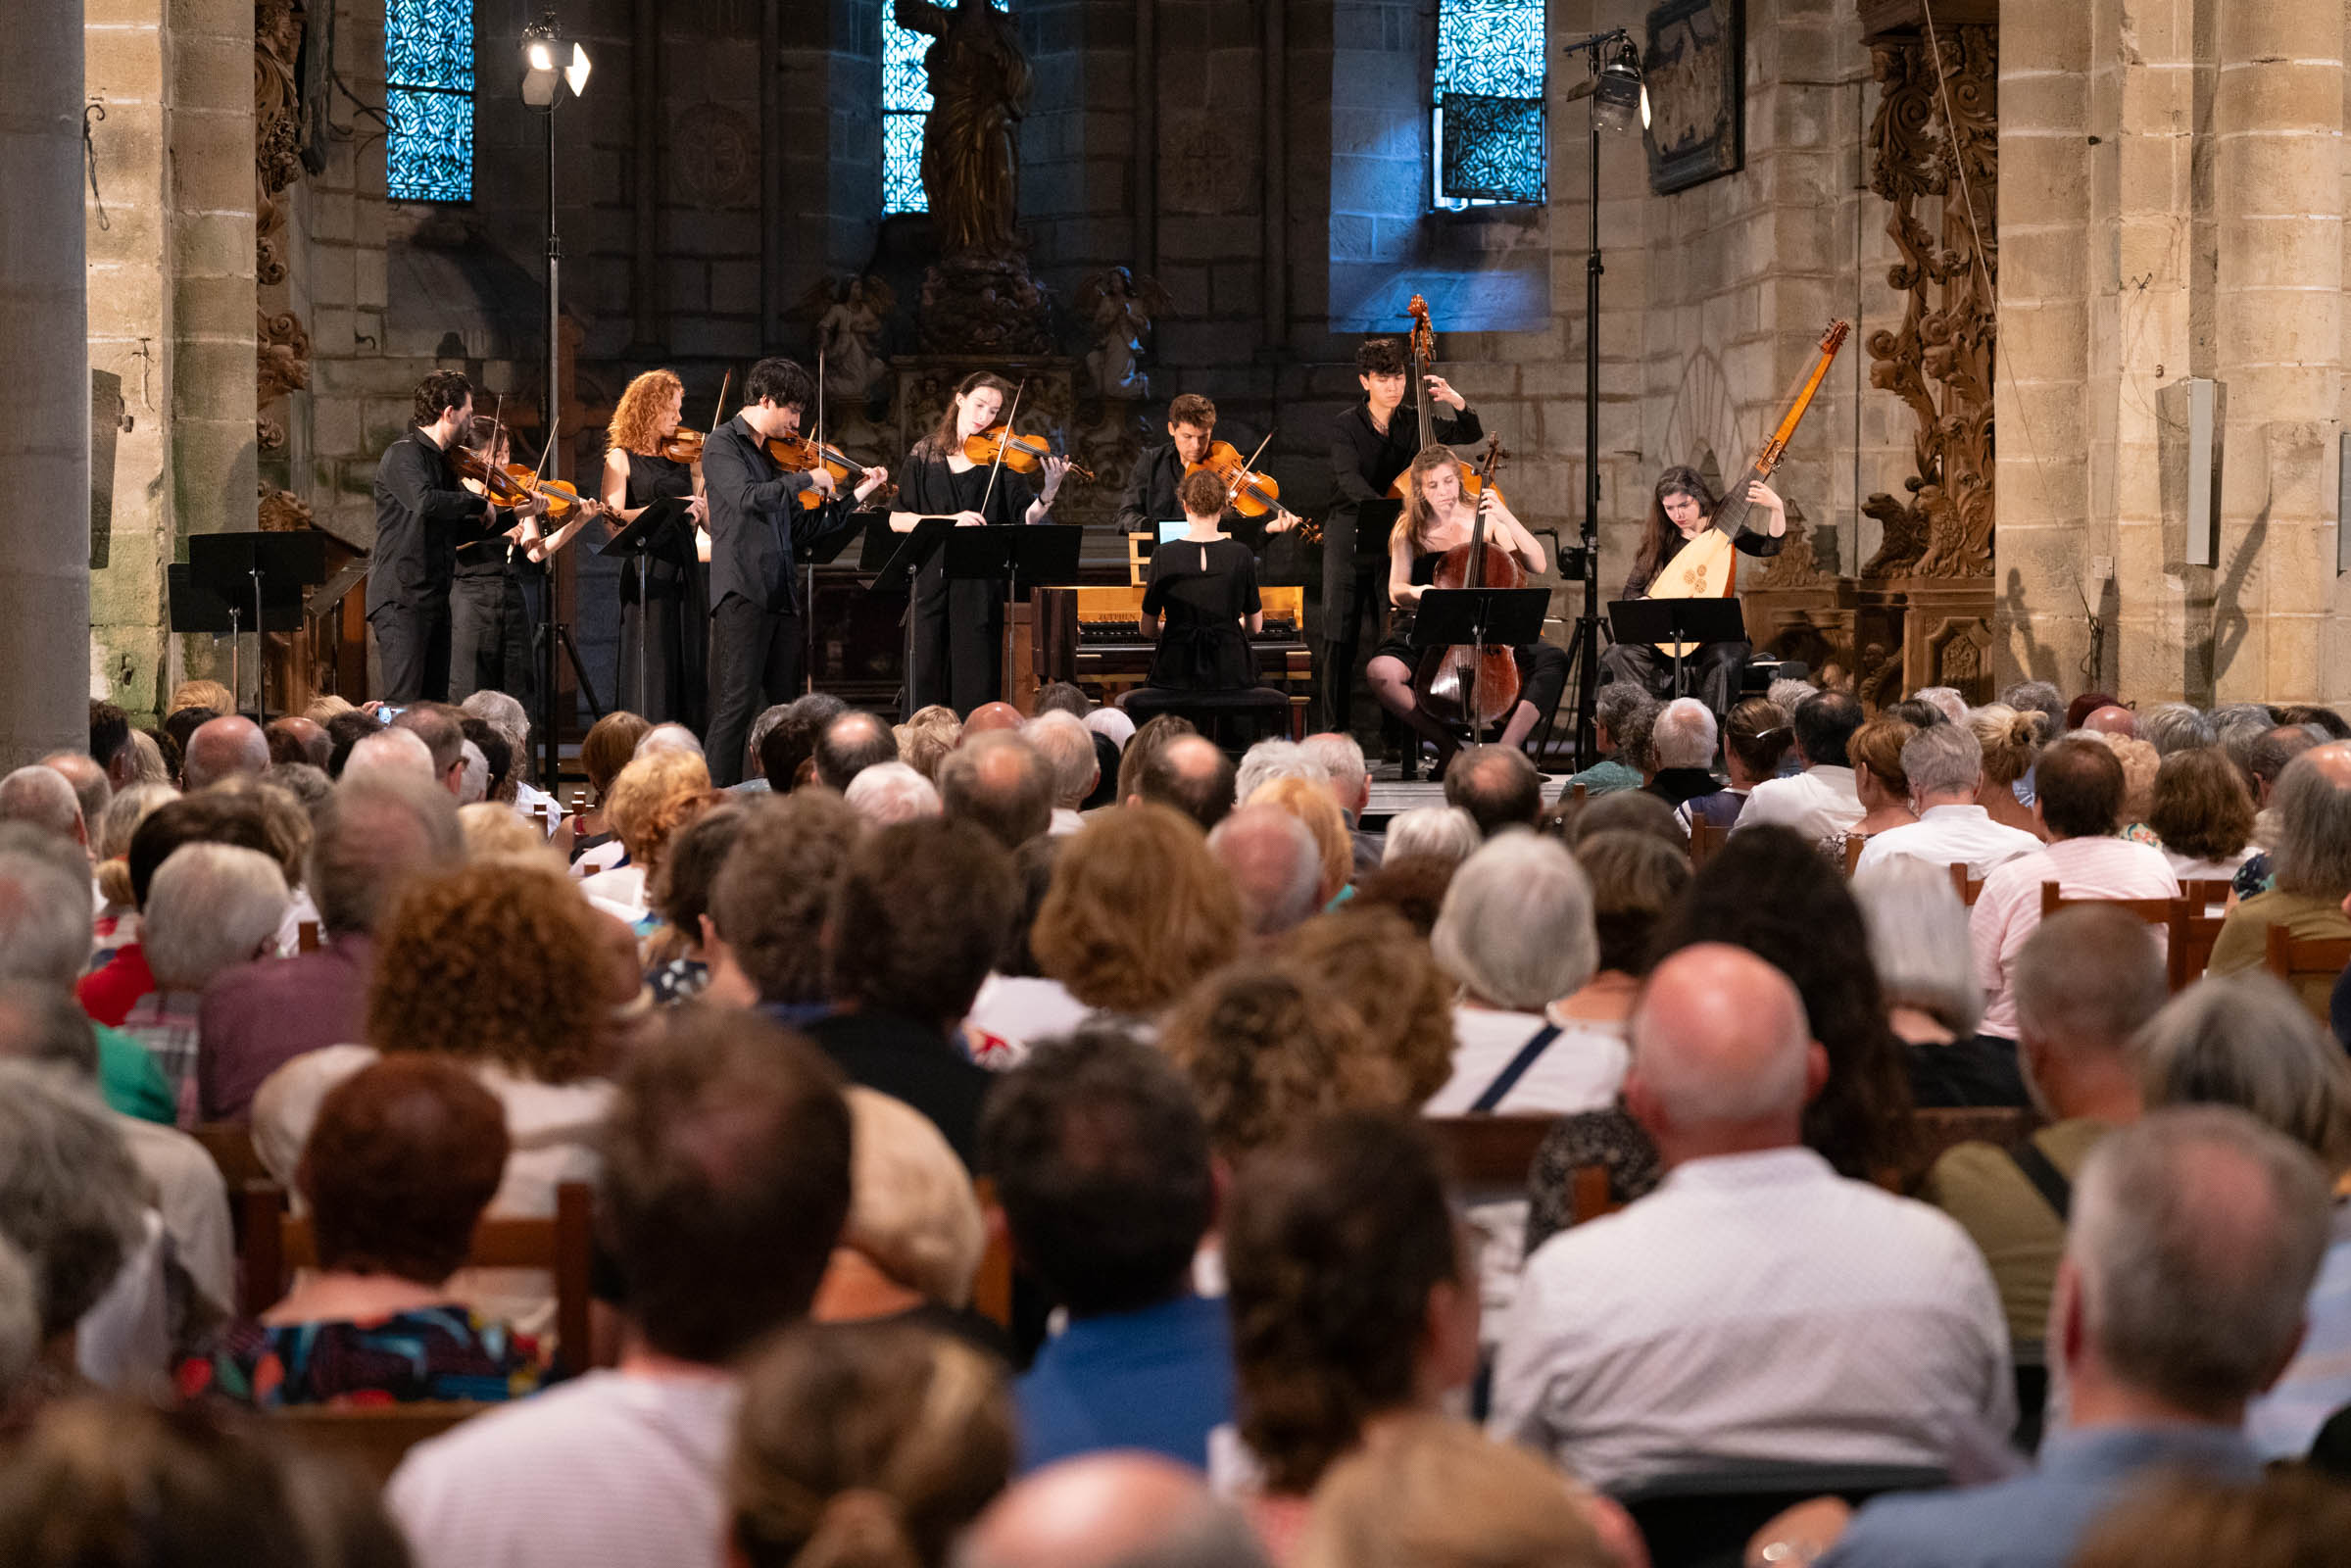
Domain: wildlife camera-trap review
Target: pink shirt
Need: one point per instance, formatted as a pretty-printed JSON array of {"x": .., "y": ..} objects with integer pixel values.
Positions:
[{"x": 2008, "y": 910}]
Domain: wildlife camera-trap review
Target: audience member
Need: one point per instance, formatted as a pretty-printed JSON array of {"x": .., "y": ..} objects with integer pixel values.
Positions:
[
  {"x": 1275, "y": 867},
  {"x": 2241, "y": 1042},
  {"x": 1139, "y": 910},
  {"x": 2040, "y": 698},
  {"x": 609, "y": 746},
  {"x": 1066, "y": 746},
  {"x": 1682, "y": 746},
  {"x": 107, "y": 992},
  {"x": 654, "y": 796},
  {"x": 1622, "y": 715},
  {"x": 2087, "y": 982},
  {"x": 1918, "y": 930},
  {"x": 91, "y": 790},
  {"x": 109, "y": 743},
  {"x": 1879, "y": 782},
  {"x": 436, "y": 725},
  {"x": 2202, "y": 814},
  {"x": 295, "y": 739},
  {"x": 768, "y": 902},
  {"x": 1821, "y": 805},
  {"x": 2011, "y": 743},
  {"x": 1112, "y": 1510},
  {"x": 2193, "y": 1239},
  {"x": 990, "y": 717},
  {"x": 43, "y": 941},
  {"x": 1945, "y": 767},
  {"x": 1311, "y": 804},
  {"x": 490, "y": 830},
  {"x": 1758, "y": 1306},
  {"x": 1100, "y": 1160},
  {"x": 118, "y": 920},
  {"x": 892, "y": 792},
  {"x": 911, "y": 1246},
  {"x": 371, "y": 836},
  {"x": 852, "y": 742},
  {"x": 1497, "y": 786},
  {"x": 1271, "y": 759},
  {"x": 1266, "y": 1050},
  {"x": 70, "y": 1201},
  {"x": 1342, "y": 759},
  {"x": 1917, "y": 713},
  {"x": 787, "y": 755},
  {"x": 1385, "y": 972},
  {"x": 1635, "y": 879},
  {"x": 40, "y": 798},
  {"x": 2311, "y": 861},
  {"x": 2079, "y": 792},
  {"x": 1446, "y": 833},
  {"x": 930, "y": 735},
  {"x": 2139, "y": 766},
  {"x": 997, "y": 782},
  {"x": 1755, "y": 737},
  {"x": 1353, "y": 1309},
  {"x": 212, "y": 908},
  {"x": 394, "y": 752},
  {"x": 915, "y": 922},
  {"x": 1019, "y": 1003},
  {"x": 2174, "y": 727},
  {"x": 679, "y": 954},
  {"x": 309, "y": 786},
  {"x": 1434, "y": 1492},
  {"x": 345, "y": 730},
  {"x": 2292, "y": 1517},
  {"x": 867, "y": 1444},
  {"x": 20, "y": 1330},
  {"x": 224, "y": 748},
  {"x": 399, "y": 1166},
  {"x": 177, "y": 727},
  {"x": 724, "y": 1182}
]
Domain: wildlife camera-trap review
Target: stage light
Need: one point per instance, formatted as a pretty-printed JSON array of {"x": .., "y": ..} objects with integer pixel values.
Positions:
[
  {"x": 575, "y": 75},
  {"x": 544, "y": 72},
  {"x": 1622, "y": 94}
]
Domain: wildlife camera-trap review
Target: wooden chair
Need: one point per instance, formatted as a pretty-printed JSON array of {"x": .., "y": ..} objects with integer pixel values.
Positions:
[
  {"x": 2154, "y": 911},
  {"x": 1937, "y": 1129},
  {"x": 306, "y": 936},
  {"x": 1853, "y": 844},
  {"x": 2294, "y": 959},
  {"x": 230, "y": 1144},
  {"x": 1704, "y": 839},
  {"x": 1490, "y": 1151},
  {"x": 2206, "y": 891},
  {"x": 1969, "y": 888},
  {"x": 372, "y": 1440},
  {"x": 1587, "y": 1195},
  {"x": 992, "y": 1282},
  {"x": 276, "y": 1243},
  {"x": 2187, "y": 951}
]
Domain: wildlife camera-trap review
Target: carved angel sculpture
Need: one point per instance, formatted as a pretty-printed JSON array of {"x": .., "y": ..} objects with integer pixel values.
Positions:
[{"x": 1121, "y": 308}]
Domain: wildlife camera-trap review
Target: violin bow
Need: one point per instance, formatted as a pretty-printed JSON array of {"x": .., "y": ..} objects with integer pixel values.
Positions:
[
  {"x": 720, "y": 412},
  {"x": 997, "y": 467}
]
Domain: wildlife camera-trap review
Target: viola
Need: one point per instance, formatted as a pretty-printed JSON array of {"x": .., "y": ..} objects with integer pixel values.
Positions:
[
  {"x": 1466, "y": 684},
  {"x": 798, "y": 454},
  {"x": 1421, "y": 352},
  {"x": 1022, "y": 453},
  {"x": 1251, "y": 493}
]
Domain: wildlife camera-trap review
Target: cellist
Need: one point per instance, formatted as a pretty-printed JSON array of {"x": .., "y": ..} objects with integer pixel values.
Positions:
[
  {"x": 1680, "y": 509},
  {"x": 1437, "y": 517}
]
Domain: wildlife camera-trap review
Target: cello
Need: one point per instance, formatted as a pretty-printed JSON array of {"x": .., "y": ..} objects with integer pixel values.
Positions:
[
  {"x": 1421, "y": 350},
  {"x": 1467, "y": 684},
  {"x": 1708, "y": 565}
]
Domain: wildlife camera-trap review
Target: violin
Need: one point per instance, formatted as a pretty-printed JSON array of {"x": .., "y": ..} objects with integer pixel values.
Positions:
[
  {"x": 1421, "y": 353},
  {"x": 681, "y": 445},
  {"x": 1249, "y": 492},
  {"x": 516, "y": 486},
  {"x": 797, "y": 455},
  {"x": 1466, "y": 684},
  {"x": 1022, "y": 453}
]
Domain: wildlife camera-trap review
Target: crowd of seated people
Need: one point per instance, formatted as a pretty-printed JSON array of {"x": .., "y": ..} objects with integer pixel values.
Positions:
[{"x": 1021, "y": 1140}]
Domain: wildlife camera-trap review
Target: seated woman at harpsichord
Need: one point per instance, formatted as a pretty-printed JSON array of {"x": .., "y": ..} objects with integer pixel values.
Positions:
[{"x": 1201, "y": 605}]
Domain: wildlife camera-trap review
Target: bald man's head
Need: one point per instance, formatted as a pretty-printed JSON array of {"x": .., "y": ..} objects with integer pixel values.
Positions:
[
  {"x": 296, "y": 739},
  {"x": 1106, "y": 1510},
  {"x": 2112, "y": 719},
  {"x": 991, "y": 716},
  {"x": 224, "y": 748},
  {"x": 91, "y": 787},
  {"x": 40, "y": 798},
  {"x": 1723, "y": 1055},
  {"x": 1191, "y": 774},
  {"x": 1274, "y": 864}
]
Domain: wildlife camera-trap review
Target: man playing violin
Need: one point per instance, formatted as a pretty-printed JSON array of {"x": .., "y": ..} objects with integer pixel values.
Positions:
[
  {"x": 757, "y": 526},
  {"x": 419, "y": 506},
  {"x": 1371, "y": 444},
  {"x": 1150, "y": 493}
]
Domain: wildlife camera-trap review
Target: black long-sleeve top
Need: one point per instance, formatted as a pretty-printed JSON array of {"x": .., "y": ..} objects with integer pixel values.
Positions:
[
  {"x": 1365, "y": 463},
  {"x": 1151, "y": 500},
  {"x": 757, "y": 521},
  {"x": 419, "y": 506},
  {"x": 1745, "y": 543}
]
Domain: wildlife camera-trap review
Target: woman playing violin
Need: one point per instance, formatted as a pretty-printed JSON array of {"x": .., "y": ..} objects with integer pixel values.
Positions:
[
  {"x": 1680, "y": 509},
  {"x": 1437, "y": 517},
  {"x": 489, "y": 626},
  {"x": 664, "y": 593},
  {"x": 959, "y": 626}
]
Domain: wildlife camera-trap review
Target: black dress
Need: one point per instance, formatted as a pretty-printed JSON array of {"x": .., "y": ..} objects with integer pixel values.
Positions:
[
  {"x": 671, "y": 623},
  {"x": 1203, "y": 590},
  {"x": 1541, "y": 668},
  {"x": 959, "y": 626}
]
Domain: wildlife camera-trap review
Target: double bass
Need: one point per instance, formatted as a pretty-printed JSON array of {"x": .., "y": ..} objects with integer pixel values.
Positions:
[
  {"x": 1708, "y": 565},
  {"x": 1421, "y": 352},
  {"x": 1465, "y": 684}
]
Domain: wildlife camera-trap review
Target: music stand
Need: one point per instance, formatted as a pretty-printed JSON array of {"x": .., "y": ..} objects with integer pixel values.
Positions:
[
  {"x": 1041, "y": 554},
  {"x": 1696, "y": 621},
  {"x": 1479, "y": 617},
  {"x": 895, "y": 559},
  {"x": 635, "y": 538},
  {"x": 228, "y": 572}
]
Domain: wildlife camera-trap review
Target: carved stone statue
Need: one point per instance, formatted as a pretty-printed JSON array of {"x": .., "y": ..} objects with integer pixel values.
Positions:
[
  {"x": 979, "y": 82},
  {"x": 845, "y": 315},
  {"x": 1121, "y": 310}
]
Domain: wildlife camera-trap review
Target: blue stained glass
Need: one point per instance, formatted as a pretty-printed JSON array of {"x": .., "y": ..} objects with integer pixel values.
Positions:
[
  {"x": 428, "y": 96},
  {"x": 1488, "y": 119},
  {"x": 905, "y": 100}
]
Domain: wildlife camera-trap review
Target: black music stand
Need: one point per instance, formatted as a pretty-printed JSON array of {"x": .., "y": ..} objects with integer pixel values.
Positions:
[
  {"x": 1042, "y": 555},
  {"x": 895, "y": 559},
  {"x": 1696, "y": 621},
  {"x": 635, "y": 538},
  {"x": 229, "y": 573},
  {"x": 1482, "y": 618}
]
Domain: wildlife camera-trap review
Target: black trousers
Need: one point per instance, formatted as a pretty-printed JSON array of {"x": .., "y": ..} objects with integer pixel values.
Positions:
[
  {"x": 411, "y": 644},
  {"x": 489, "y": 637},
  {"x": 1712, "y": 673},
  {"x": 959, "y": 642},
  {"x": 754, "y": 662}
]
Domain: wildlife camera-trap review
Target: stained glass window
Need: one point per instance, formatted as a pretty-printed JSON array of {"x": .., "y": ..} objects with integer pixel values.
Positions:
[
  {"x": 1487, "y": 125},
  {"x": 429, "y": 97},
  {"x": 905, "y": 101}
]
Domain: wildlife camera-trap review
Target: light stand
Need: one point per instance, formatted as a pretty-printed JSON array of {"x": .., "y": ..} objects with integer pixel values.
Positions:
[
  {"x": 542, "y": 84},
  {"x": 1614, "y": 89}
]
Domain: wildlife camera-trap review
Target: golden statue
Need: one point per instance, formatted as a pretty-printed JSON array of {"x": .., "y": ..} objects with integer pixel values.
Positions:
[{"x": 979, "y": 82}]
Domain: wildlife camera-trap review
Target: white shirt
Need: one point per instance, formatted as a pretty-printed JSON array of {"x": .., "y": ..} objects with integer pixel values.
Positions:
[
  {"x": 1012, "y": 1012},
  {"x": 187, "y": 1191},
  {"x": 617, "y": 889},
  {"x": 608, "y": 1471},
  {"x": 529, "y": 799},
  {"x": 602, "y": 857},
  {"x": 1945, "y": 834},
  {"x": 1820, "y": 804},
  {"x": 2191, "y": 869},
  {"x": 1579, "y": 1070},
  {"x": 299, "y": 909},
  {"x": 1066, "y": 821},
  {"x": 2008, "y": 910},
  {"x": 1756, "y": 1308}
]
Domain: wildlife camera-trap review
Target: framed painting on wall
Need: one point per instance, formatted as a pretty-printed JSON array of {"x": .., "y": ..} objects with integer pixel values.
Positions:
[{"x": 1696, "y": 70}]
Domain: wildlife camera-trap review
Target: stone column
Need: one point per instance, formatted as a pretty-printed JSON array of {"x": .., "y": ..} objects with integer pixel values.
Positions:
[{"x": 44, "y": 464}]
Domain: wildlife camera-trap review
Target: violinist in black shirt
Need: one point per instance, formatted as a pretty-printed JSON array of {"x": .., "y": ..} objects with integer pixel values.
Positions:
[
  {"x": 1150, "y": 493},
  {"x": 1371, "y": 444}
]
